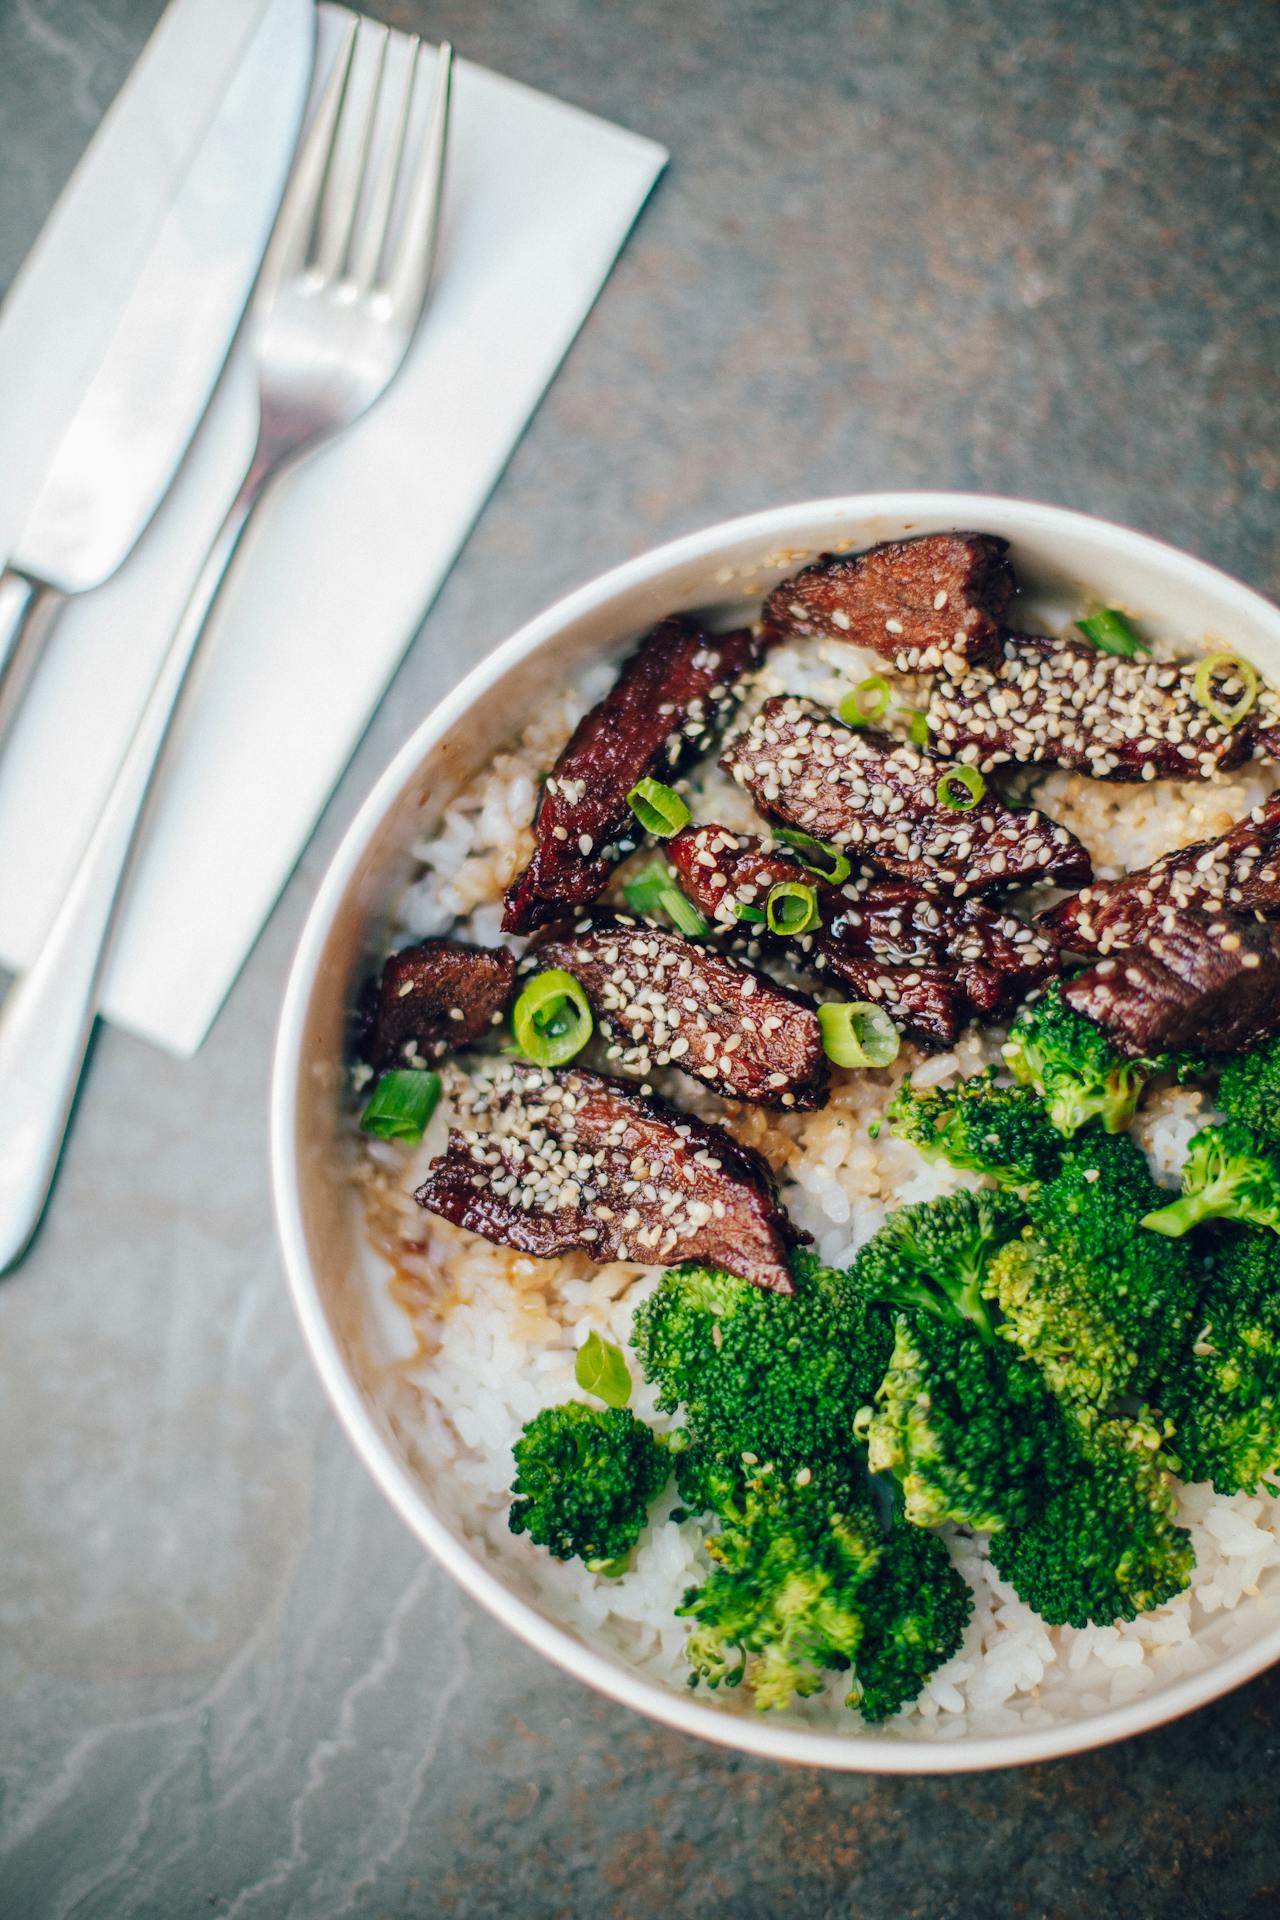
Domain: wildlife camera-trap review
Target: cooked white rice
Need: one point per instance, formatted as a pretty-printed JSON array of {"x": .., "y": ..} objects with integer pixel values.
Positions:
[{"x": 489, "y": 1336}]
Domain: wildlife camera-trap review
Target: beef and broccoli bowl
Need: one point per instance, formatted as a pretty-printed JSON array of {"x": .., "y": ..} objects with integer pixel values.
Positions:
[{"x": 812, "y": 1096}]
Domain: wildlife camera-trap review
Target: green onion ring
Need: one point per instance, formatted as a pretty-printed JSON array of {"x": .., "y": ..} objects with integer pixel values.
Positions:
[
  {"x": 868, "y": 702},
  {"x": 682, "y": 913},
  {"x": 856, "y": 1033},
  {"x": 822, "y": 857},
  {"x": 401, "y": 1105},
  {"x": 970, "y": 780},
  {"x": 1225, "y": 663},
  {"x": 792, "y": 909},
  {"x": 658, "y": 808},
  {"x": 1113, "y": 632},
  {"x": 552, "y": 1018}
]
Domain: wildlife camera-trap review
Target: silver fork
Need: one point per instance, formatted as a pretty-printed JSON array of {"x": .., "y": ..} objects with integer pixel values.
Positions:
[{"x": 337, "y": 303}]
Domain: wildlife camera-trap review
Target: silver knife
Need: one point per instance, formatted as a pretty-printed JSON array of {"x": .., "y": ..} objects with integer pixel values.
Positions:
[{"x": 117, "y": 458}]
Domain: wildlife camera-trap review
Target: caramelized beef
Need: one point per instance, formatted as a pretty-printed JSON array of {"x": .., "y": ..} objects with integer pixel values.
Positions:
[
  {"x": 1064, "y": 703},
  {"x": 662, "y": 1000},
  {"x": 935, "y": 601},
  {"x": 878, "y": 800},
  {"x": 665, "y": 708},
  {"x": 932, "y": 961},
  {"x": 552, "y": 1162},
  {"x": 1238, "y": 874},
  {"x": 437, "y": 997},
  {"x": 1207, "y": 982}
]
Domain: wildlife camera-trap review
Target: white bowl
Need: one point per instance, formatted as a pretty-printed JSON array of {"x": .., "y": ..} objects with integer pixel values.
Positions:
[{"x": 319, "y": 1221}]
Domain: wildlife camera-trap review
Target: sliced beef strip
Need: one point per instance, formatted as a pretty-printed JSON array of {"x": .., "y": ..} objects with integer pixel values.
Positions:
[
  {"x": 931, "y": 960},
  {"x": 934, "y": 601},
  {"x": 1210, "y": 982},
  {"x": 1063, "y": 703},
  {"x": 1238, "y": 874},
  {"x": 663, "y": 1000},
  {"x": 877, "y": 799},
  {"x": 438, "y": 996},
  {"x": 549, "y": 1163},
  {"x": 665, "y": 709}
]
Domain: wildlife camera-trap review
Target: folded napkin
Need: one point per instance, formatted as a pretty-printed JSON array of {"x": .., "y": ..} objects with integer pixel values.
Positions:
[{"x": 346, "y": 556}]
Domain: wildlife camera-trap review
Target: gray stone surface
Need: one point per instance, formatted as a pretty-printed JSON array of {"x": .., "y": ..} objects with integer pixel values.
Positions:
[{"x": 1026, "y": 247}]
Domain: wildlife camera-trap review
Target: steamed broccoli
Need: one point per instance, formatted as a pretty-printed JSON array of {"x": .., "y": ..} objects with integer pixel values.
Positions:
[
  {"x": 1223, "y": 1390},
  {"x": 584, "y": 1480},
  {"x": 933, "y": 1256},
  {"x": 1002, "y": 1131},
  {"x": 970, "y": 1430},
  {"x": 1226, "y": 1176},
  {"x": 1071, "y": 1062},
  {"x": 1100, "y": 1307},
  {"x": 807, "y": 1579},
  {"x": 777, "y": 1377},
  {"x": 1249, "y": 1091},
  {"x": 1106, "y": 1545}
]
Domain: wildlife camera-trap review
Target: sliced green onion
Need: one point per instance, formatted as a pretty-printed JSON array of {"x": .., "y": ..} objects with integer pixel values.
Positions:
[
  {"x": 855, "y": 1033},
  {"x": 742, "y": 911},
  {"x": 792, "y": 908},
  {"x": 682, "y": 913},
  {"x": 960, "y": 789},
  {"x": 654, "y": 892},
  {"x": 918, "y": 728},
  {"x": 822, "y": 857},
  {"x": 1112, "y": 632},
  {"x": 868, "y": 702},
  {"x": 601, "y": 1369},
  {"x": 1226, "y": 665},
  {"x": 659, "y": 809},
  {"x": 552, "y": 1018},
  {"x": 645, "y": 889},
  {"x": 401, "y": 1105}
]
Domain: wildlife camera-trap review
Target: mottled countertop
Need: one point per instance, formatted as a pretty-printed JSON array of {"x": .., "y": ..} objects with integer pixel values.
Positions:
[{"x": 1026, "y": 247}]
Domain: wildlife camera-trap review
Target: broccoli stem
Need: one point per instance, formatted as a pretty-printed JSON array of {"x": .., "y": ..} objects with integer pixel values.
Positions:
[{"x": 1186, "y": 1212}]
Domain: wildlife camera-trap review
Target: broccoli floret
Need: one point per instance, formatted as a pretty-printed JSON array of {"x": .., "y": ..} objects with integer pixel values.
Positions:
[
  {"x": 933, "y": 1256},
  {"x": 1226, "y": 1176},
  {"x": 584, "y": 1480},
  {"x": 1106, "y": 1545},
  {"x": 970, "y": 1430},
  {"x": 1099, "y": 1306},
  {"x": 915, "y": 1608},
  {"x": 1001, "y": 1131},
  {"x": 806, "y": 1580},
  {"x": 777, "y": 1377},
  {"x": 1249, "y": 1091},
  {"x": 1070, "y": 1061},
  {"x": 1223, "y": 1391}
]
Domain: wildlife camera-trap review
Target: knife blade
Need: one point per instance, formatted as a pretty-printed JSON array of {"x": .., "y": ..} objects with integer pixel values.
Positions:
[{"x": 126, "y": 439}]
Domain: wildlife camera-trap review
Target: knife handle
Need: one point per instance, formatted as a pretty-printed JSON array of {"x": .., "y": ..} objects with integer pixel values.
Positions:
[
  {"x": 27, "y": 612},
  {"x": 47, "y": 1019}
]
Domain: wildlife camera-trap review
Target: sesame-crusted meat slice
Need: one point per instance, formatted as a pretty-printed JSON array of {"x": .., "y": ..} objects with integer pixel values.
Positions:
[
  {"x": 1238, "y": 874},
  {"x": 662, "y": 1000},
  {"x": 935, "y": 601},
  {"x": 549, "y": 1163},
  {"x": 1064, "y": 703},
  {"x": 878, "y": 800},
  {"x": 665, "y": 708},
  {"x": 929, "y": 959},
  {"x": 1209, "y": 982},
  {"x": 436, "y": 997}
]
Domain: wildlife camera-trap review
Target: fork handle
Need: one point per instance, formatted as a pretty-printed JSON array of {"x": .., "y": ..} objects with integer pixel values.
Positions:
[
  {"x": 27, "y": 611},
  {"x": 48, "y": 1016}
]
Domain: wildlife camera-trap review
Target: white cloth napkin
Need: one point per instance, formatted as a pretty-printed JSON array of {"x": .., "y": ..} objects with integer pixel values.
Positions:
[{"x": 347, "y": 555}]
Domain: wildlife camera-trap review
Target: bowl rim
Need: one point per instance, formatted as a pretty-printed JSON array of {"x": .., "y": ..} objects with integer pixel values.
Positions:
[{"x": 865, "y": 1751}]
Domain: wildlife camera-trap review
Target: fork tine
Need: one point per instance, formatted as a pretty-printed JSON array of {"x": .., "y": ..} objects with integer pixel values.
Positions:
[
  {"x": 371, "y": 241},
  {"x": 410, "y": 269},
  {"x": 336, "y": 221},
  {"x": 295, "y": 223}
]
